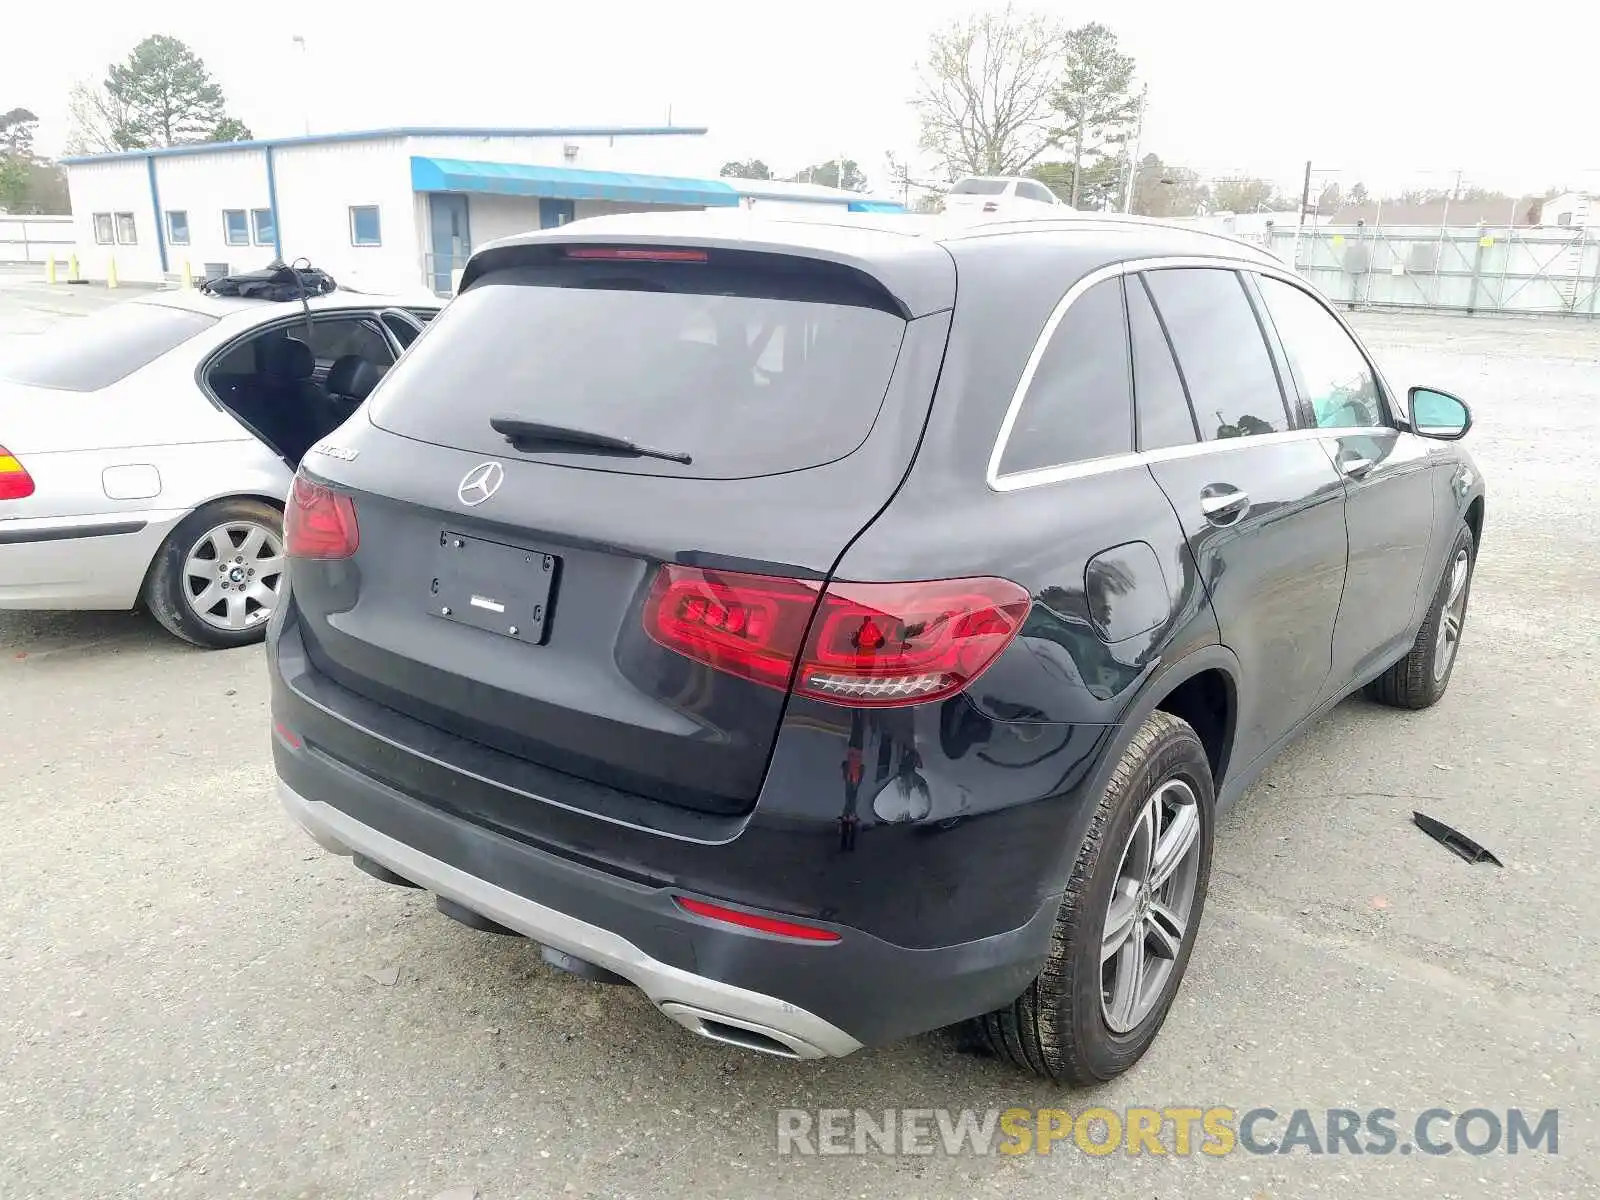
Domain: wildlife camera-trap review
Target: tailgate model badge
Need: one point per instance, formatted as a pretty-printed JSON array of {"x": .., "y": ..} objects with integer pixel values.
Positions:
[{"x": 480, "y": 483}]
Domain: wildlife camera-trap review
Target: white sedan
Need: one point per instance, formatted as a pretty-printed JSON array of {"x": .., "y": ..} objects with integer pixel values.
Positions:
[
  {"x": 146, "y": 451},
  {"x": 1001, "y": 197}
]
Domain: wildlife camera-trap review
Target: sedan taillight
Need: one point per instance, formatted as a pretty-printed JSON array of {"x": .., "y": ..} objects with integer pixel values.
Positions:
[
  {"x": 319, "y": 522},
  {"x": 15, "y": 482},
  {"x": 859, "y": 644}
]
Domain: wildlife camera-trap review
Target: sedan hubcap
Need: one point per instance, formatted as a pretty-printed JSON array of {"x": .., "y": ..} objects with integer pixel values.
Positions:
[
  {"x": 231, "y": 575},
  {"x": 1151, "y": 901},
  {"x": 1454, "y": 615}
]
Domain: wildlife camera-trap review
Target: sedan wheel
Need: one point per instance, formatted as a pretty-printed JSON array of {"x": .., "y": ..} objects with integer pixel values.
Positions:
[
  {"x": 218, "y": 577},
  {"x": 231, "y": 575}
]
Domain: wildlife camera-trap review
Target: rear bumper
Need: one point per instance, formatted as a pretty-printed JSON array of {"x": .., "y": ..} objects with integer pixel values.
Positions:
[
  {"x": 87, "y": 562},
  {"x": 686, "y": 997},
  {"x": 801, "y": 999}
]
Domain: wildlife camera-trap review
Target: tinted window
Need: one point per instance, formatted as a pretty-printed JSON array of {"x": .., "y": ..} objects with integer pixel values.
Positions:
[
  {"x": 404, "y": 332},
  {"x": 691, "y": 358},
  {"x": 336, "y": 337},
  {"x": 1029, "y": 190},
  {"x": 1232, "y": 383},
  {"x": 979, "y": 187},
  {"x": 1332, "y": 375},
  {"x": 88, "y": 353},
  {"x": 178, "y": 228},
  {"x": 235, "y": 231},
  {"x": 1164, "y": 416},
  {"x": 261, "y": 219},
  {"x": 1079, "y": 405}
]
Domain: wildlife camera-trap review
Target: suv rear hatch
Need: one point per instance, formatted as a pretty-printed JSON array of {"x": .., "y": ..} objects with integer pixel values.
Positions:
[{"x": 499, "y": 586}]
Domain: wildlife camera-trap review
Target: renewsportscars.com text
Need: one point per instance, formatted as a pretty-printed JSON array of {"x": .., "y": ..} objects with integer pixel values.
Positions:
[{"x": 1179, "y": 1131}]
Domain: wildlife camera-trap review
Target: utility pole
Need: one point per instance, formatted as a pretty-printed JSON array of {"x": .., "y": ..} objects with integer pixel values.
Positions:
[
  {"x": 1305, "y": 200},
  {"x": 1133, "y": 154}
]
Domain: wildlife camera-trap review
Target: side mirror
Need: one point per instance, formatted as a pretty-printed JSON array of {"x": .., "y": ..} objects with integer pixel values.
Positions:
[{"x": 1436, "y": 414}]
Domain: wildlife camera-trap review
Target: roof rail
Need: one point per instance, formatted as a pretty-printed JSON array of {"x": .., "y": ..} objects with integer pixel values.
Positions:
[{"x": 1098, "y": 218}]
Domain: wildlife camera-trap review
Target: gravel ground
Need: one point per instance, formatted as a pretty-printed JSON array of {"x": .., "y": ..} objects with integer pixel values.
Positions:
[{"x": 195, "y": 1001}]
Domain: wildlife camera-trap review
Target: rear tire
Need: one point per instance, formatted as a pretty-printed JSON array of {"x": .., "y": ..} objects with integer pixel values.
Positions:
[
  {"x": 1420, "y": 678},
  {"x": 1076, "y": 1024},
  {"x": 242, "y": 537}
]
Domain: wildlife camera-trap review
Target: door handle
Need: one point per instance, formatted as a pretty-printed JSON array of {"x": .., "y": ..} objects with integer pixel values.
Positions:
[
  {"x": 1354, "y": 466},
  {"x": 1223, "y": 504}
]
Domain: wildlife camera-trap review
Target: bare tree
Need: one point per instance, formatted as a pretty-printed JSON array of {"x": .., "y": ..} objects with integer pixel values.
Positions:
[
  {"x": 1095, "y": 98},
  {"x": 984, "y": 91},
  {"x": 94, "y": 117}
]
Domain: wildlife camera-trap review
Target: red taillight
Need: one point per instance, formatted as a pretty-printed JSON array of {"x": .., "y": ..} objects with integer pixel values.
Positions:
[
  {"x": 635, "y": 253},
  {"x": 319, "y": 522},
  {"x": 733, "y": 916},
  {"x": 15, "y": 482},
  {"x": 908, "y": 643},
  {"x": 990, "y": 206},
  {"x": 869, "y": 644},
  {"x": 747, "y": 625}
]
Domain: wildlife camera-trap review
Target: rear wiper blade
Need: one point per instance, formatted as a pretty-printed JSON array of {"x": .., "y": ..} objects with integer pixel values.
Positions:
[{"x": 522, "y": 433}]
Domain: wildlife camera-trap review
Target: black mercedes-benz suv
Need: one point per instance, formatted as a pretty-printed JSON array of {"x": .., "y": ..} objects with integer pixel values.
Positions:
[{"x": 844, "y": 630}]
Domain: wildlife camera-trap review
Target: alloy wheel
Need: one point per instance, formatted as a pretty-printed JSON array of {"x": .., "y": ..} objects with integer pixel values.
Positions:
[
  {"x": 1454, "y": 615},
  {"x": 1151, "y": 902},
  {"x": 232, "y": 573}
]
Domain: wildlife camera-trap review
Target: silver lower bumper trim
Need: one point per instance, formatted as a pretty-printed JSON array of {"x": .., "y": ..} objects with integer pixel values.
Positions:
[{"x": 710, "y": 1008}]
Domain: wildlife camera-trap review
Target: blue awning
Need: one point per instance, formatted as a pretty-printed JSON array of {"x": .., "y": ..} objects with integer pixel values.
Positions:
[
  {"x": 877, "y": 206},
  {"x": 566, "y": 183}
]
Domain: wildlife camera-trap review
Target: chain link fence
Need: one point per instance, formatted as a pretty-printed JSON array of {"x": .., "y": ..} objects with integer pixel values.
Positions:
[{"x": 1510, "y": 270}]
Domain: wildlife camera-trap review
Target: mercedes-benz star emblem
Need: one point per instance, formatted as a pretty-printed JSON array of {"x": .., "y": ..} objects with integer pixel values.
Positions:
[{"x": 481, "y": 482}]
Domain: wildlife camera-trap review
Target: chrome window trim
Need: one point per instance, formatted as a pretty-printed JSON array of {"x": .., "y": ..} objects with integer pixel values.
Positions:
[{"x": 1038, "y": 476}]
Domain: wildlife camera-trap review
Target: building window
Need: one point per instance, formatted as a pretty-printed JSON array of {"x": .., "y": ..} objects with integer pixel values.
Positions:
[
  {"x": 235, "y": 229},
  {"x": 364, "y": 229},
  {"x": 1564, "y": 219},
  {"x": 102, "y": 229},
  {"x": 261, "y": 221},
  {"x": 177, "y": 227},
  {"x": 127, "y": 234}
]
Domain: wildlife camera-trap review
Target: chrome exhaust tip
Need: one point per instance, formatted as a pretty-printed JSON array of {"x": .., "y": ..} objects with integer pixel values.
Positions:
[{"x": 735, "y": 1031}]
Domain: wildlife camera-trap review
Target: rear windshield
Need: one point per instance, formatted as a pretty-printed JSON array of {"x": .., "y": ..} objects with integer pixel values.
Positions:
[
  {"x": 979, "y": 187},
  {"x": 85, "y": 354},
  {"x": 688, "y": 358}
]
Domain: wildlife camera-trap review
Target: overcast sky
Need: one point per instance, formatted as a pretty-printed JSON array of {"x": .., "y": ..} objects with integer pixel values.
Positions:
[{"x": 1381, "y": 90}]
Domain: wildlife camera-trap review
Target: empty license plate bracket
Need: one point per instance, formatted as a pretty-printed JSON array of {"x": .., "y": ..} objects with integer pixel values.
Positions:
[{"x": 490, "y": 586}]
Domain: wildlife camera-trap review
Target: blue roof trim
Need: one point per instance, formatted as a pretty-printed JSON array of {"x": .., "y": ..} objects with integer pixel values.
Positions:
[
  {"x": 877, "y": 206},
  {"x": 566, "y": 183},
  {"x": 399, "y": 131}
]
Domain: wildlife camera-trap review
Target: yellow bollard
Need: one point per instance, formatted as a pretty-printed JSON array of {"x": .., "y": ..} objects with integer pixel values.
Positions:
[
  {"x": 50, "y": 269},
  {"x": 72, "y": 269},
  {"x": 188, "y": 276},
  {"x": 111, "y": 272}
]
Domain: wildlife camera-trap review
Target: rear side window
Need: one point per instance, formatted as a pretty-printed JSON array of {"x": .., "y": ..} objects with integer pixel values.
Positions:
[
  {"x": 1079, "y": 404},
  {"x": 979, "y": 187},
  {"x": 748, "y": 372},
  {"x": 1232, "y": 382},
  {"x": 89, "y": 353},
  {"x": 1164, "y": 416},
  {"x": 334, "y": 337}
]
